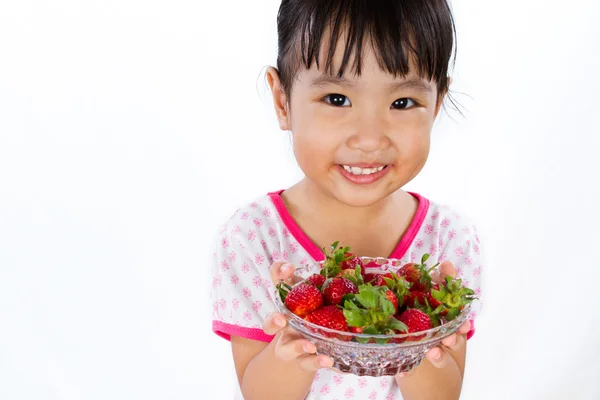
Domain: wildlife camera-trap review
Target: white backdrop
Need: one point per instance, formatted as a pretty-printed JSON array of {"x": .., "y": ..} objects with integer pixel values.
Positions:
[{"x": 124, "y": 134}]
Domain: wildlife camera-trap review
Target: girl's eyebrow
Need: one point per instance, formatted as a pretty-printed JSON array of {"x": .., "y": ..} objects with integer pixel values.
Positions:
[{"x": 411, "y": 83}]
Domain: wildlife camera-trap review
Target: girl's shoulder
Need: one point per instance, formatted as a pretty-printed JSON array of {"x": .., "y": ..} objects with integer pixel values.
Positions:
[
  {"x": 444, "y": 232},
  {"x": 254, "y": 216}
]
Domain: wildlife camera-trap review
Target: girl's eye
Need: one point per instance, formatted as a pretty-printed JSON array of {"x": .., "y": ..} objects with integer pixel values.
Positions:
[
  {"x": 338, "y": 100},
  {"x": 403, "y": 103}
]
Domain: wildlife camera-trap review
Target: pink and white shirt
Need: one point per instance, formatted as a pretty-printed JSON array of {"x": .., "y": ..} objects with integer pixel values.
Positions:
[{"x": 264, "y": 232}]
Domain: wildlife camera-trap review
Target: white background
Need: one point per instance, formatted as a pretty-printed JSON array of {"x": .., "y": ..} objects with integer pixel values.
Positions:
[{"x": 129, "y": 130}]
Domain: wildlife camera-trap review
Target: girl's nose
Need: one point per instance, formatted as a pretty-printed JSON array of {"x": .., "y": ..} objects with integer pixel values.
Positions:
[{"x": 369, "y": 135}]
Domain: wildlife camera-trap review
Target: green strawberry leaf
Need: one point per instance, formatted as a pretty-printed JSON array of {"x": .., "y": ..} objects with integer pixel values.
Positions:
[
  {"x": 424, "y": 258},
  {"x": 438, "y": 295},
  {"x": 387, "y": 307},
  {"x": 282, "y": 293},
  {"x": 397, "y": 325},
  {"x": 388, "y": 282},
  {"x": 370, "y": 330},
  {"x": 453, "y": 313},
  {"x": 349, "y": 304},
  {"x": 439, "y": 309},
  {"x": 349, "y": 297},
  {"x": 367, "y": 296},
  {"x": 354, "y": 318}
]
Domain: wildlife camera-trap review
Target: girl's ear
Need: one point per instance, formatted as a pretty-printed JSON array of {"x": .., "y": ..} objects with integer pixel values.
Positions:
[{"x": 279, "y": 99}]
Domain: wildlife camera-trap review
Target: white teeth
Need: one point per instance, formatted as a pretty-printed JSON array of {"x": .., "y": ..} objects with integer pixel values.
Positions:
[{"x": 362, "y": 171}]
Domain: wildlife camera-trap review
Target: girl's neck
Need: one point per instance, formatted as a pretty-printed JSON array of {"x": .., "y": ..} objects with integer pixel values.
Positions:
[{"x": 368, "y": 230}]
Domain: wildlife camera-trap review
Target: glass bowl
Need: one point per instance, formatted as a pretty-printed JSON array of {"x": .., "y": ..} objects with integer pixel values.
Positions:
[{"x": 372, "y": 355}]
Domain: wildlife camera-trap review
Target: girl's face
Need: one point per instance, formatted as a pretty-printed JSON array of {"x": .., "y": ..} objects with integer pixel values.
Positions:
[{"x": 358, "y": 139}]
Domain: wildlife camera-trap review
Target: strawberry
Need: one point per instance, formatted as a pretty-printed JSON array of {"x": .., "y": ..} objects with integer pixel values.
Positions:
[
  {"x": 453, "y": 297},
  {"x": 316, "y": 280},
  {"x": 302, "y": 299},
  {"x": 355, "y": 329},
  {"x": 331, "y": 317},
  {"x": 416, "y": 321},
  {"x": 418, "y": 275},
  {"x": 380, "y": 279},
  {"x": 351, "y": 261},
  {"x": 419, "y": 297},
  {"x": 392, "y": 297},
  {"x": 336, "y": 288},
  {"x": 369, "y": 278},
  {"x": 398, "y": 285}
]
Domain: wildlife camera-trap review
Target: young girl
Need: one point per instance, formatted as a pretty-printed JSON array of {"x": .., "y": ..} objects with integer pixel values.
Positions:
[{"x": 359, "y": 84}]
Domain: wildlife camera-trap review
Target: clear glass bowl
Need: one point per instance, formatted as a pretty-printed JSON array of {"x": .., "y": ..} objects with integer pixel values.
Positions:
[{"x": 366, "y": 355}]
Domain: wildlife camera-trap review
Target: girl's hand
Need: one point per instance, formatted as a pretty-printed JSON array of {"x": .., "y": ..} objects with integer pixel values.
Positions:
[
  {"x": 290, "y": 345},
  {"x": 440, "y": 356}
]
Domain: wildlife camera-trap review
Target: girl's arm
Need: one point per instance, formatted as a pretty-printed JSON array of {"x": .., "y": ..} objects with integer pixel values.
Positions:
[
  {"x": 441, "y": 378},
  {"x": 283, "y": 369},
  {"x": 263, "y": 376}
]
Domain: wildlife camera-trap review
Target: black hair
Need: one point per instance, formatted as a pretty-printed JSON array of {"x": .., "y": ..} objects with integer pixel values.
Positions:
[{"x": 423, "y": 29}]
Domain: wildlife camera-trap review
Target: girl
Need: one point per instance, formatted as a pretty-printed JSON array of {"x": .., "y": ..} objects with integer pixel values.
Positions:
[{"x": 359, "y": 84}]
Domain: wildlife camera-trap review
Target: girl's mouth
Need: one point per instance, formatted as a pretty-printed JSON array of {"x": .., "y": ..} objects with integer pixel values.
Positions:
[
  {"x": 365, "y": 174},
  {"x": 354, "y": 170}
]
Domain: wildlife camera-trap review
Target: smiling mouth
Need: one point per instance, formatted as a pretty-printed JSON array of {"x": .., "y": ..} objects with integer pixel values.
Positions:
[{"x": 363, "y": 171}]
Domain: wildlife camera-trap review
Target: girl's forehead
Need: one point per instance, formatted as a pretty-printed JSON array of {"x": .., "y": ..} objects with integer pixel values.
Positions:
[
  {"x": 362, "y": 62},
  {"x": 371, "y": 71}
]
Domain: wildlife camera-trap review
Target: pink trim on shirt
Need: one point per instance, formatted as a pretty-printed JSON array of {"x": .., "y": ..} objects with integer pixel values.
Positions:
[
  {"x": 472, "y": 331},
  {"x": 295, "y": 230},
  {"x": 317, "y": 254},
  {"x": 226, "y": 330},
  {"x": 413, "y": 229}
]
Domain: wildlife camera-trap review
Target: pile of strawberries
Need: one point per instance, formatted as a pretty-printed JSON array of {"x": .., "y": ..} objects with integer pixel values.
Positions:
[{"x": 345, "y": 297}]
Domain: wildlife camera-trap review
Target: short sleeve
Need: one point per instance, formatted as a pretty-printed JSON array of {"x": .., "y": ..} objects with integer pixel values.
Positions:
[
  {"x": 241, "y": 288},
  {"x": 463, "y": 249}
]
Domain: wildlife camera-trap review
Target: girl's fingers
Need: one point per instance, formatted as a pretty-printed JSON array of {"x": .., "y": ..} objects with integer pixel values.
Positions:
[
  {"x": 454, "y": 342},
  {"x": 283, "y": 271},
  {"x": 465, "y": 328},
  {"x": 274, "y": 323},
  {"x": 447, "y": 268},
  {"x": 314, "y": 362},
  {"x": 295, "y": 348},
  {"x": 280, "y": 271},
  {"x": 437, "y": 357}
]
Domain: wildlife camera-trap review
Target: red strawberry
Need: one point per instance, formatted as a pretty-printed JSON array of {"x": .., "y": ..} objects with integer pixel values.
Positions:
[
  {"x": 392, "y": 297},
  {"x": 351, "y": 261},
  {"x": 330, "y": 317},
  {"x": 420, "y": 297},
  {"x": 336, "y": 288},
  {"x": 316, "y": 280},
  {"x": 379, "y": 279},
  {"x": 416, "y": 321},
  {"x": 355, "y": 329},
  {"x": 418, "y": 275},
  {"x": 368, "y": 277},
  {"x": 398, "y": 286},
  {"x": 303, "y": 299}
]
